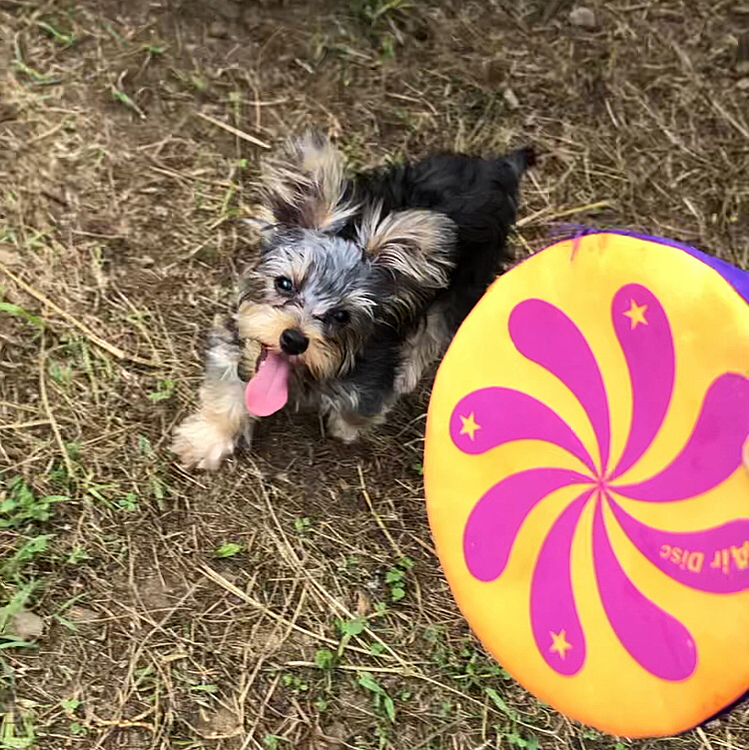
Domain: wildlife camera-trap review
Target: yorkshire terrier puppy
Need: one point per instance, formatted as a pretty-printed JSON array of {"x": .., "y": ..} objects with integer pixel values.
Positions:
[{"x": 361, "y": 284}]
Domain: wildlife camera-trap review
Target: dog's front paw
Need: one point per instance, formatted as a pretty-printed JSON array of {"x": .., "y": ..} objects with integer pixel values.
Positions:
[
  {"x": 343, "y": 430},
  {"x": 202, "y": 444}
]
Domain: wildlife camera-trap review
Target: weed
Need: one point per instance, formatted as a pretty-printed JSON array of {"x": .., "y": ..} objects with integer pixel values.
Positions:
[
  {"x": 301, "y": 525},
  {"x": 64, "y": 39},
  {"x": 372, "y": 11},
  {"x": 17, "y": 729},
  {"x": 324, "y": 659},
  {"x": 273, "y": 741},
  {"x": 129, "y": 502},
  {"x": 348, "y": 629},
  {"x": 123, "y": 98},
  {"x": 514, "y": 737},
  {"x": 204, "y": 688},
  {"x": 70, "y": 705},
  {"x": 396, "y": 578},
  {"x": 228, "y": 550},
  {"x": 295, "y": 683},
  {"x": 144, "y": 446},
  {"x": 24, "y": 554},
  {"x": 164, "y": 390},
  {"x": 381, "y": 700},
  {"x": 20, "y": 507},
  {"x": 60, "y": 372},
  {"x": 77, "y": 555},
  {"x": 20, "y": 312}
]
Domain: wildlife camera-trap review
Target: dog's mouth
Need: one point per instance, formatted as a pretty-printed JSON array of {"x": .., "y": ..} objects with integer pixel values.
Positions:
[{"x": 268, "y": 389}]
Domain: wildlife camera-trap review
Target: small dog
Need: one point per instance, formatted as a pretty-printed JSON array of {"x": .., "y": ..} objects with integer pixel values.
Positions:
[{"x": 361, "y": 284}]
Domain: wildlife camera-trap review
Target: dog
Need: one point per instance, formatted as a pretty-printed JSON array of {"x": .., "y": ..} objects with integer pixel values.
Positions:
[{"x": 361, "y": 283}]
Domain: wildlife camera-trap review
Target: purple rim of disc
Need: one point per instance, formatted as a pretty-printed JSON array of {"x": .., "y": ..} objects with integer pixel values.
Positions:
[{"x": 737, "y": 278}]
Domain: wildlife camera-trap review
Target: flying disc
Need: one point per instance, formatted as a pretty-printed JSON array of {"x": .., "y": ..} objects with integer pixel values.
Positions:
[{"x": 584, "y": 482}]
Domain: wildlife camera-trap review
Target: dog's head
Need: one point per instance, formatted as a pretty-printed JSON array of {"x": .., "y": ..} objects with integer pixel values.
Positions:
[{"x": 317, "y": 291}]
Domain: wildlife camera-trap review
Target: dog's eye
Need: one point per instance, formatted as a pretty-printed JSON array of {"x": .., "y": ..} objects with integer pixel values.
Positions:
[
  {"x": 284, "y": 285},
  {"x": 340, "y": 316}
]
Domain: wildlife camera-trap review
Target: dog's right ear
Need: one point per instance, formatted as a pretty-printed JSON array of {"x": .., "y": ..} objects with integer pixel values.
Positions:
[
  {"x": 415, "y": 244},
  {"x": 305, "y": 186}
]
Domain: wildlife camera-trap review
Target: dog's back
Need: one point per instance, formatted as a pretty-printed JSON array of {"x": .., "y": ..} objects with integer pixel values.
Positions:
[{"x": 479, "y": 195}]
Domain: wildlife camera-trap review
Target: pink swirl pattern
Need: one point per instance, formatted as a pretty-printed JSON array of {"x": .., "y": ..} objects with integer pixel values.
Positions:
[{"x": 713, "y": 560}]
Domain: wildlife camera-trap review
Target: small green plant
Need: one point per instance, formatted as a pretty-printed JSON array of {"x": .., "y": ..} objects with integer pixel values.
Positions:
[
  {"x": 24, "y": 554},
  {"x": 144, "y": 446},
  {"x": 396, "y": 578},
  {"x": 324, "y": 659},
  {"x": 294, "y": 683},
  {"x": 301, "y": 525},
  {"x": 70, "y": 705},
  {"x": 204, "y": 688},
  {"x": 513, "y": 736},
  {"x": 128, "y": 502},
  {"x": 17, "y": 728},
  {"x": 164, "y": 390},
  {"x": 348, "y": 629},
  {"x": 228, "y": 550},
  {"x": 77, "y": 555},
  {"x": 382, "y": 701},
  {"x": 353, "y": 627},
  {"x": 19, "y": 506},
  {"x": 60, "y": 372},
  {"x": 58, "y": 36},
  {"x": 20, "y": 312},
  {"x": 15, "y": 605}
]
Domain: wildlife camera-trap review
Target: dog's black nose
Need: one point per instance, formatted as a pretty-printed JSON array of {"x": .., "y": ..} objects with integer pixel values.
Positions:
[{"x": 293, "y": 341}]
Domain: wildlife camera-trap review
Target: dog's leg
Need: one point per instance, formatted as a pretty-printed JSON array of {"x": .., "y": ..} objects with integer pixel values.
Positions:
[
  {"x": 207, "y": 437},
  {"x": 348, "y": 413},
  {"x": 424, "y": 347},
  {"x": 348, "y": 427}
]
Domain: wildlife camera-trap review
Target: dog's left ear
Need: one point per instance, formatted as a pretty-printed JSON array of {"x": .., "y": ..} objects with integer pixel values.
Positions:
[
  {"x": 305, "y": 185},
  {"x": 416, "y": 244}
]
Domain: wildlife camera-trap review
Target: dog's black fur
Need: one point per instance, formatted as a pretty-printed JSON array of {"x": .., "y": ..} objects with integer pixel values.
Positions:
[{"x": 481, "y": 197}]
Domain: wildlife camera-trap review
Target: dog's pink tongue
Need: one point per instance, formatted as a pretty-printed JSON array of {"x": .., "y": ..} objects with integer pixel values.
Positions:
[{"x": 268, "y": 390}]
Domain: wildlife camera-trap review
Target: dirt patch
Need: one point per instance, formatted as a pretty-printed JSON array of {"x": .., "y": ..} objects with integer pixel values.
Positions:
[{"x": 228, "y": 611}]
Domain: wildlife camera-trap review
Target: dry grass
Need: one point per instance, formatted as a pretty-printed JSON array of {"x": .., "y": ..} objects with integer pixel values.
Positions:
[{"x": 292, "y": 601}]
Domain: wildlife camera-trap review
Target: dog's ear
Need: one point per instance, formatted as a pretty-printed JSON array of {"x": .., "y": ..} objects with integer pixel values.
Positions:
[
  {"x": 417, "y": 245},
  {"x": 304, "y": 186}
]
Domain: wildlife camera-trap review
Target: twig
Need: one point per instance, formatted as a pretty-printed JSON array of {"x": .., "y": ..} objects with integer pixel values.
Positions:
[
  {"x": 703, "y": 737},
  {"x": 50, "y": 415},
  {"x": 354, "y": 668},
  {"x": 527, "y": 220},
  {"x": 24, "y": 425},
  {"x": 115, "y": 351},
  {"x": 234, "y": 131},
  {"x": 378, "y": 520},
  {"x": 247, "y": 599}
]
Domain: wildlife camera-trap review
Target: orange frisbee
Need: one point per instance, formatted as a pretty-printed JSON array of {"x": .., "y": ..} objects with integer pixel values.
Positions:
[{"x": 584, "y": 481}]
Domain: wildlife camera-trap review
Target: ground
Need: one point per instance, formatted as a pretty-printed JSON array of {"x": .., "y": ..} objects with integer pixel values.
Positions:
[{"x": 292, "y": 600}]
